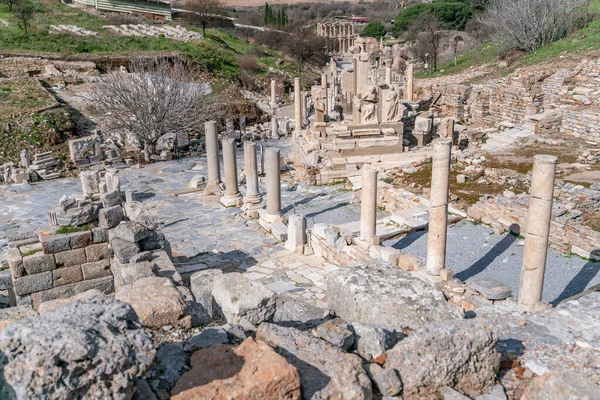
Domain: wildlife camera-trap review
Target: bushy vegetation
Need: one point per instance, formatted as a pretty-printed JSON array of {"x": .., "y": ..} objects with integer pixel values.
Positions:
[
  {"x": 530, "y": 24},
  {"x": 453, "y": 15},
  {"x": 374, "y": 29}
]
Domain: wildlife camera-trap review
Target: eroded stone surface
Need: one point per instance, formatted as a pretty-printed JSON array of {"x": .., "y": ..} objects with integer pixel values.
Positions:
[
  {"x": 251, "y": 371},
  {"x": 326, "y": 371},
  {"x": 92, "y": 347},
  {"x": 387, "y": 296}
]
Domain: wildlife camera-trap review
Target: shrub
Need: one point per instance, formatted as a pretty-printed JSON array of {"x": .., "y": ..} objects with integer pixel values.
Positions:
[
  {"x": 453, "y": 15},
  {"x": 530, "y": 24},
  {"x": 374, "y": 29}
]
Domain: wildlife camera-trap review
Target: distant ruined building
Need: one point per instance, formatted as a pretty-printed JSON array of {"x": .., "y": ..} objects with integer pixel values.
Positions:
[{"x": 343, "y": 31}]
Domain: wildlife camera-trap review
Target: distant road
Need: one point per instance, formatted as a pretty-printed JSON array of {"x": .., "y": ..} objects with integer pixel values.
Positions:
[{"x": 258, "y": 3}]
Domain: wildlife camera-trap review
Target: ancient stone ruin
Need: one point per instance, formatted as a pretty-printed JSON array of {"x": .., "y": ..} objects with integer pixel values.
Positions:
[{"x": 243, "y": 271}]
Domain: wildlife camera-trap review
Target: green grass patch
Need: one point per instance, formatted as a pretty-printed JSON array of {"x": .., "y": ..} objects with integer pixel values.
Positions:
[
  {"x": 72, "y": 229},
  {"x": 216, "y": 53},
  {"x": 31, "y": 252},
  {"x": 479, "y": 56}
]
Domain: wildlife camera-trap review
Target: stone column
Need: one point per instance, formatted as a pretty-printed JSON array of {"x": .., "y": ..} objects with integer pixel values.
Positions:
[
  {"x": 90, "y": 182},
  {"x": 212, "y": 158},
  {"x": 324, "y": 85},
  {"x": 447, "y": 128},
  {"x": 273, "y": 102},
  {"x": 410, "y": 82},
  {"x": 296, "y": 234},
  {"x": 538, "y": 230},
  {"x": 438, "y": 209},
  {"x": 388, "y": 76},
  {"x": 304, "y": 107},
  {"x": 368, "y": 205},
  {"x": 274, "y": 128},
  {"x": 253, "y": 196},
  {"x": 273, "y": 181},
  {"x": 25, "y": 158},
  {"x": 113, "y": 182},
  {"x": 297, "y": 106},
  {"x": 232, "y": 194}
]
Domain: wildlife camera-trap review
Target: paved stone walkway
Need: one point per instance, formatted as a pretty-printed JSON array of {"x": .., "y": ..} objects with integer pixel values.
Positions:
[
  {"x": 474, "y": 251},
  {"x": 203, "y": 233}
]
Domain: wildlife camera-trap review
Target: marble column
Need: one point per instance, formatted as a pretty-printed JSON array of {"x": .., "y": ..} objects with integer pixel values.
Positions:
[
  {"x": 112, "y": 180},
  {"x": 212, "y": 158},
  {"x": 447, "y": 128},
  {"x": 297, "y": 106},
  {"x": 410, "y": 82},
  {"x": 296, "y": 234},
  {"x": 438, "y": 209},
  {"x": 272, "y": 167},
  {"x": 274, "y": 128},
  {"x": 90, "y": 182},
  {"x": 368, "y": 205},
  {"x": 253, "y": 196},
  {"x": 324, "y": 85},
  {"x": 537, "y": 230},
  {"x": 388, "y": 76},
  {"x": 273, "y": 102},
  {"x": 25, "y": 158},
  {"x": 232, "y": 194},
  {"x": 304, "y": 107}
]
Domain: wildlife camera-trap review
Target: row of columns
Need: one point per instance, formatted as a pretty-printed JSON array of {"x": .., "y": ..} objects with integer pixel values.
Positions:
[
  {"x": 232, "y": 195},
  {"x": 336, "y": 30},
  {"x": 538, "y": 219}
]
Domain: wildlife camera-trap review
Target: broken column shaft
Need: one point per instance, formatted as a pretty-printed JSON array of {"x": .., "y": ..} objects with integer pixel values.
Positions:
[
  {"x": 297, "y": 106},
  {"x": 250, "y": 165},
  {"x": 438, "y": 208},
  {"x": 232, "y": 193},
  {"x": 410, "y": 82},
  {"x": 273, "y": 102},
  {"x": 272, "y": 166},
  {"x": 537, "y": 230},
  {"x": 212, "y": 152},
  {"x": 368, "y": 205}
]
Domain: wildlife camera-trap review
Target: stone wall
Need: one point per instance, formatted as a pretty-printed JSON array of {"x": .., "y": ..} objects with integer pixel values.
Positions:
[
  {"x": 567, "y": 232},
  {"x": 60, "y": 265},
  {"x": 554, "y": 100}
]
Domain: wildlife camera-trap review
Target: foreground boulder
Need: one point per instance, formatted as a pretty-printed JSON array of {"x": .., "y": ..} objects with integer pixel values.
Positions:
[
  {"x": 387, "y": 296},
  {"x": 156, "y": 301},
  {"x": 92, "y": 348},
  {"x": 460, "y": 354},
  {"x": 251, "y": 371},
  {"x": 553, "y": 385},
  {"x": 239, "y": 299},
  {"x": 326, "y": 371}
]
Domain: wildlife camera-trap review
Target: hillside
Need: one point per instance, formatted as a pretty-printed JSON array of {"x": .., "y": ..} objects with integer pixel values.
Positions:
[{"x": 218, "y": 53}]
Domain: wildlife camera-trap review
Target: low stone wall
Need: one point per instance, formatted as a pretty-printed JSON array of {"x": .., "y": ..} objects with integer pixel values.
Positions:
[
  {"x": 61, "y": 265},
  {"x": 554, "y": 100},
  {"x": 567, "y": 233}
]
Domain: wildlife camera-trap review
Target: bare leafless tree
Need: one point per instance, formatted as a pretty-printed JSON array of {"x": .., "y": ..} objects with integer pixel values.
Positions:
[
  {"x": 9, "y": 3},
  {"x": 156, "y": 97},
  {"x": 530, "y": 24},
  {"x": 24, "y": 12},
  {"x": 425, "y": 34},
  {"x": 201, "y": 12},
  {"x": 303, "y": 44}
]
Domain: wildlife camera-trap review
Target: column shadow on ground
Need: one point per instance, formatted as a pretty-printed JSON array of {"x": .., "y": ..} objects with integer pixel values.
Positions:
[
  {"x": 485, "y": 261},
  {"x": 408, "y": 239},
  {"x": 579, "y": 282}
]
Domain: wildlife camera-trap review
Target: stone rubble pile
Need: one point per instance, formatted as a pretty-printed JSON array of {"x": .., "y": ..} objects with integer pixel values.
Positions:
[
  {"x": 178, "y": 33},
  {"x": 71, "y": 29}
]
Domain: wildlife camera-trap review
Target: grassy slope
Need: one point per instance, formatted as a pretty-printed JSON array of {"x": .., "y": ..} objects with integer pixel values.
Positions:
[
  {"x": 218, "y": 52},
  {"x": 582, "y": 41}
]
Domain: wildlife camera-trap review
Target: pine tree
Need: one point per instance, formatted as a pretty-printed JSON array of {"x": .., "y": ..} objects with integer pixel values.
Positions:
[
  {"x": 267, "y": 14},
  {"x": 279, "y": 19}
]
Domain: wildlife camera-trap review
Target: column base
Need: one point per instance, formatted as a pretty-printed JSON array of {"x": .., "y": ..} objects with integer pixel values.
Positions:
[
  {"x": 231, "y": 200},
  {"x": 366, "y": 242},
  {"x": 273, "y": 106},
  {"x": 212, "y": 189}
]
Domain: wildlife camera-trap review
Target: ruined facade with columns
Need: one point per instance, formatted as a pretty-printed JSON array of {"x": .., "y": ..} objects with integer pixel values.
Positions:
[{"x": 341, "y": 31}]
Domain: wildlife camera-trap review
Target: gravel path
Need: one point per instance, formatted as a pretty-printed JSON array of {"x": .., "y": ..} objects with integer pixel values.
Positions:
[{"x": 474, "y": 251}]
